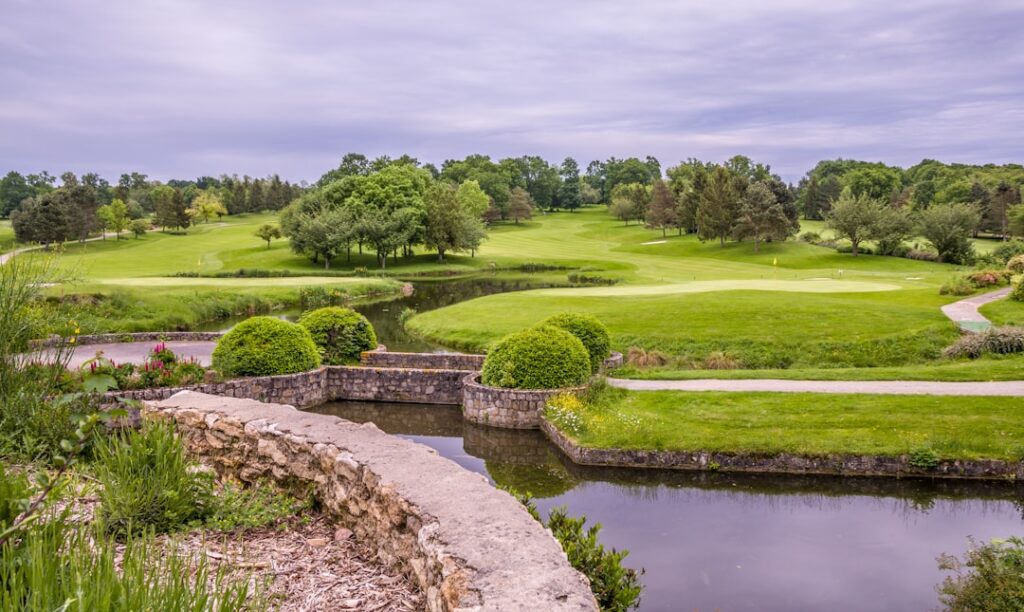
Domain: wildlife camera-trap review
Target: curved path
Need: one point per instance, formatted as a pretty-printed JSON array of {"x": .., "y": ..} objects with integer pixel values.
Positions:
[
  {"x": 965, "y": 312},
  {"x": 136, "y": 352}
]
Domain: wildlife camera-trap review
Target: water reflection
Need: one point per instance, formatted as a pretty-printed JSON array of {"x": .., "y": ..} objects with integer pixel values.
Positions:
[
  {"x": 735, "y": 541},
  {"x": 385, "y": 315}
]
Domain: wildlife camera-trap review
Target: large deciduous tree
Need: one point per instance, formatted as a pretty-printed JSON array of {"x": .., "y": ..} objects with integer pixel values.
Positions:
[
  {"x": 169, "y": 207},
  {"x": 948, "y": 228},
  {"x": 14, "y": 190},
  {"x": 450, "y": 226},
  {"x": 569, "y": 196},
  {"x": 854, "y": 217},
  {"x": 115, "y": 216},
  {"x": 206, "y": 205},
  {"x": 520, "y": 205}
]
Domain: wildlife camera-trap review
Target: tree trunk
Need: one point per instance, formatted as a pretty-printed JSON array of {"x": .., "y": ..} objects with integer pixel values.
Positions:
[
  {"x": 440, "y": 255},
  {"x": 853, "y": 247},
  {"x": 757, "y": 243},
  {"x": 327, "y": 263}
]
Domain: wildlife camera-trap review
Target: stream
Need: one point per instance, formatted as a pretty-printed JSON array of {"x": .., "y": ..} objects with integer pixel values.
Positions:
[{"x": 714, "y": 541}]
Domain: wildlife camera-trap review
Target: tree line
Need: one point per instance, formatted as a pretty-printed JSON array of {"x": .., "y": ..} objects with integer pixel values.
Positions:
[{"x": 43, "y": 211}]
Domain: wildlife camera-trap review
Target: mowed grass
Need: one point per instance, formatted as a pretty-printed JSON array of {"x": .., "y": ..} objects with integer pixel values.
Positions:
[
  {"x": 6, "y": 236},
  {"x": 995, "y": 368},
  {"x": 1004, "y": 312},
  {"x": 811, "y": 424}
]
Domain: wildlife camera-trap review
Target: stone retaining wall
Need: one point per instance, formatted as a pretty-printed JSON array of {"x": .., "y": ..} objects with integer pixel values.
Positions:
[
  {"x": 511, "y": 408},
  {"x": 396, "y": 385},
  {"x": 326, "y": 384},
  {"x": 466, "y": 544},
  {"x": 786, "y": 463},
  {"x": 435, "y": 361}
]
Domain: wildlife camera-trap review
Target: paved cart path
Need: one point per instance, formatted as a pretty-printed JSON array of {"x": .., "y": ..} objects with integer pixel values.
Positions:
[
  {"x": 136, "y": 352},
  {"x": 965, "y": 312}
]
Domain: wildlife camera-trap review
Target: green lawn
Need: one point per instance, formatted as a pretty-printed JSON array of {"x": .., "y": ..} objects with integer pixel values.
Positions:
[
  {"x": 6, "y": 236},
  {"x": 804, "y": 423},
  {"x": 994, "y": 368},
  {"x": 1004, "y": 312},
  {"x": 791, "y": 304}
]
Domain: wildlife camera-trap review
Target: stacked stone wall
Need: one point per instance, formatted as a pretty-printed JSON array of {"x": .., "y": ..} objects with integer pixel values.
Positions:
[
  {"x": 433, "y": 361},
  {"x": 511, "y": 408},
  {"x": 467, "y": 545}
]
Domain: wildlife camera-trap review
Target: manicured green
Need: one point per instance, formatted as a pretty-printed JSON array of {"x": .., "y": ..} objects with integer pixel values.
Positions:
[
  {"x": 265, "y": 346},
  {"x": 341, "y": 334},
  {"x": 1005, "y": 312},
  {"x": 995, "y": 368},
  {"x": 537, "y": 358},
  {"x": 804, "y": 423},
  {"x": 590, "y": 331}
]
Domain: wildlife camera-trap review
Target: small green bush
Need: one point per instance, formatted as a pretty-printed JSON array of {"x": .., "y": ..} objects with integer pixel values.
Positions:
[
  {"x": 341, "y": 333},
  {"x": 990, "y": 577},
  {"x": 538, "y": 358},
  {"x": 999, "y": 340},
  {"x": 148, "y": 483},
  {"x": 591, "y": 332},
  {"x": 924, "y": 458},
  {"x": 265, "y": 346},
  {"x": 15, "y": 493},
  {"x": 1016, "y": 264},
  {"x": 1018, "y": 291},
  {"x": 1008, "y": 250},
  {"x": 958, "y": 285},
  {"x": 989, "y": 278},
  {"x": 810, "y": 237},
  {"x": 238, "y": 507}
]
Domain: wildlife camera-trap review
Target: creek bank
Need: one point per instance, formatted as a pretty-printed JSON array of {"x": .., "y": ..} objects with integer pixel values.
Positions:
[{"x": 467, "y": 545}]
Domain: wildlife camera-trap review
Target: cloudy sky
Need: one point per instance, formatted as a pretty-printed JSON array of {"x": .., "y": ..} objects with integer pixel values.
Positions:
[{"x": 182, "y": 88}]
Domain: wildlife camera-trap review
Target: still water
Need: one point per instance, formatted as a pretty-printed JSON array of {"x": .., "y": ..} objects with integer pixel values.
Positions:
[
  {"x": 427, "y": 295},
  {"x": 735, "y": 542}
]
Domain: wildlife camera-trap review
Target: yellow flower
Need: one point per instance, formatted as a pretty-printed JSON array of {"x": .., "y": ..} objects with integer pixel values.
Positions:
[{"x": 71, "y": 340}]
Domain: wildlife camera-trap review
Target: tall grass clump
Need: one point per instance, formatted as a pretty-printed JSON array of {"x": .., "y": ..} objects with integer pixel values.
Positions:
[
  {"x": 35, "y": 415},
  {"x": 989, "y": 577},
  {"x": 148, "y": 483},
  {"x": 998, "y": 340}
]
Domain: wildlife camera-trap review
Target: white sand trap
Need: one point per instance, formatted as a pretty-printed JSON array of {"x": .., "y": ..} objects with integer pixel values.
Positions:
[
  {"x": 914, "y": 278},
  {"x": 795, "y": 286},
  {"x": 653, "y": 242}
]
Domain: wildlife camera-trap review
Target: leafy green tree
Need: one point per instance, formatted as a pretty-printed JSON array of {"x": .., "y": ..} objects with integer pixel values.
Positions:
[
  {"x": 569, "y": 196},
  {"x": 761, "y": 216},
  {"x": 387, "y": 232},
  {"x": 662, "y": 213},
  {"x": 450, "y": 226},
  {"x": 268, "y": 232},
  {"x": 630, "y": 202},
  {"x": 1006, "y": 197},
  {"x": 520, "y": 205},
  {"x": 14, "y": 190},
  {"x": 207, "y": 204},
  {"x": 893, "y": 226},
  {"x": 115, "y": 216},
  {"x": 80, "y": 206},
  {"x": 169, "y": 208},
  {"x": 472, "y": 199},
  {"x": 718, "y": 206},
  {"x": 139, "y": 227},
  {"x": 352, "y": 164},
  {"x": 948, "y": 228},
  {"x": 1015, "y": 222},
  {"x": 41, "y": 219},
  {"x": 854, "y": 217},
  {"x": 625, "y": 172},
  {"x": 324, "y": 235},
  {"x": 589, "y": 195}
]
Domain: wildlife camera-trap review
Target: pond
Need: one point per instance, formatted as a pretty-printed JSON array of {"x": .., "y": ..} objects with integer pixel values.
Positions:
[
  {"x": 385, "y": 315},
  {"x": 731, "y": 541}
]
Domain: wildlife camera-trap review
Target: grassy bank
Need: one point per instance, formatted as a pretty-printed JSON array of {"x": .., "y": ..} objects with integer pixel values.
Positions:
[
  {"x": 808, "y": 424},
  {"x": 1004, "y": 312},
  {"x": 986, "y": 369},
  {"x": 170, "y": 305}
]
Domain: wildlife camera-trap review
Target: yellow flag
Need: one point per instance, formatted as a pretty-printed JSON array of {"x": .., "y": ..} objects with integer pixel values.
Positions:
[{"x": 775, "y": 261}]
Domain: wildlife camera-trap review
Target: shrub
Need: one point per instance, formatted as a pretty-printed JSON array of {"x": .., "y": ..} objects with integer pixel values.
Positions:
[
  {"x": 1016, "y": 264},
  {"x": 924, "y": 458},
  {"x": 15, "y": 493},
  {"x": 591, "y": 332},
  {"x": 922, "y": 255},
  {"x": 811, "y": 237},
  {"x": 341, "y": 333},
  {"x": 1018, "y": 291},
  {"x": 1008, "y": 250},
  {"x": 990, "y": 577},
  {"x": 163, "y": 354},
  {"x": 958, "y": 285},
  {"x": 989, "y": 278},
  {"x": 720, "y": 360},
  {"x": 642, "y": 358},
  {"x": 578, "y": 278},
  {"x": 617, "y": 588},
  {"x": 539, "y": 358},
  {"x": 148, "y": 483},
  {"x": 999, "y": 340},
  {"x": 322, "y": 297},
  {"x": 238, "y": 507},
  {"x": 265, "y": 346}
]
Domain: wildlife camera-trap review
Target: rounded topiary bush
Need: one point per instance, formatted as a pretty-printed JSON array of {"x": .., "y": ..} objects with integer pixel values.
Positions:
[
  {"x": 591, "y": 332},
  {"x": 540, "y": 358},
  {"x": 341, "y": 333},
  {"x": 1018, "y": 291},
  {"x": 1016, "y": 264},
  {"x": 265, "y": 346}
]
